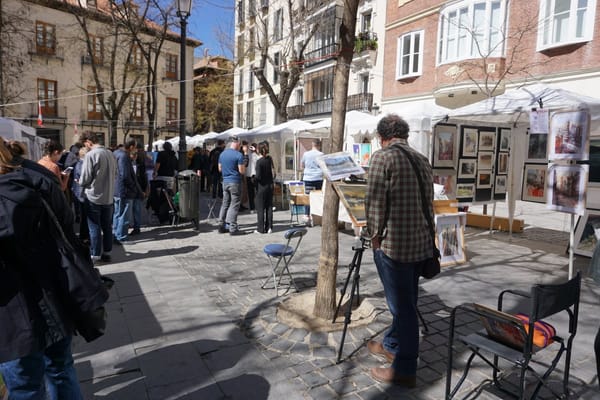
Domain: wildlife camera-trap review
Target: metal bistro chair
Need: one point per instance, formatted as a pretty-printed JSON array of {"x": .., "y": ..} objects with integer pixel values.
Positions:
[
  {"x": 280, "y": 256},
  {"x": 518, "y": 338}
]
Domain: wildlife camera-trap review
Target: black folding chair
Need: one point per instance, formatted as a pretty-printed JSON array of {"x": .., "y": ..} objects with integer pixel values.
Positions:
[{"x": 517, "y": 344}]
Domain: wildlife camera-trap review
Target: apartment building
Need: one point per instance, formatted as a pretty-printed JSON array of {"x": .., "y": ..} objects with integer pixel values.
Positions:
[
  {"x": 310, "y": 41},
  {"x": 68, "y": 52},
  {"x": 453, "y": 53}
]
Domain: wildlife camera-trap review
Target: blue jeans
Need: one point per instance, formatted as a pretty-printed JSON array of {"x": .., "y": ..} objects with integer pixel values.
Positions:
[
  {"x": 401, "y": 285},
  {"x": 137, "y": 213},
  {"x": 122, "y": 217},
  {"x": 99, "y": 221},
  {"x": 52, "y": 369},
  {"x": 232, "y": 193}
]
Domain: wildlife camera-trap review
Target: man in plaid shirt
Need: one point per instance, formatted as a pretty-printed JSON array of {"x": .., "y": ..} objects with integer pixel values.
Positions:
[{"x": 401, "y": 242}]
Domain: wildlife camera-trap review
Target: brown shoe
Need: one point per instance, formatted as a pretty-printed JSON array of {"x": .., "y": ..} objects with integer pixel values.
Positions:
[
  {"x": 388, "y": 375},
  {"x": 377, "y": 349}
]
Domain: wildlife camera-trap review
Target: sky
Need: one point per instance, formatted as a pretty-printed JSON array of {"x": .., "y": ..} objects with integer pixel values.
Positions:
[{"x": 208, "y": 17}]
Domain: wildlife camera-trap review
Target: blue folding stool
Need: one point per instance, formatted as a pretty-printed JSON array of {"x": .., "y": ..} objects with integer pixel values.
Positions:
[{"x": 283, "y": 253}]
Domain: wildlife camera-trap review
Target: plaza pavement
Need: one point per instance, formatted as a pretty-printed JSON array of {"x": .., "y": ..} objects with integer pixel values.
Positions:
[{"x": 187, "y": 318}]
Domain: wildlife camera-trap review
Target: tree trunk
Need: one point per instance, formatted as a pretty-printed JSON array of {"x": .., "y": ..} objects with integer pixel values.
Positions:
[{"x": 326, "y": 279}]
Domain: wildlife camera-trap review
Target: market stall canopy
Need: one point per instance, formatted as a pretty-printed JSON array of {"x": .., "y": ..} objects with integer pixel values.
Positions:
[
  {"x": 198, "y": 140},
  {"x": 291, "y": 126},
  {"x": 11, "y": 129},
  {"x": 513, "y": 107},
  {"x": 229, "y": 133},
  {"x": 356, "y": 122},
  {"x": 175, "y": 142}
]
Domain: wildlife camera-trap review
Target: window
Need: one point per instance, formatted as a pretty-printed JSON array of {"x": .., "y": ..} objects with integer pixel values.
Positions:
[
  {"x": 263, "y": 111},
  {"x": 171, "y": 66},
  {"x": 136, "y": 106},
  {"x": 276, "y": 66},
  {"x": 278, "y": 25},
  {"x": 250, "y": 80},
  {"x": 97, "y": 44},
  {"x": 565, "y": 22},
  {"x": 251, "y": 44},
  {"x": 241, "y": 14},
  {"x": 94, "y": 108},
  {"x": 135, "y": 57},
  {"x": 472, "y": 29},
  {"x": 249, "y": 114},
  {"x": 47, "y": 97},
  {"x": 172, "y": 116},
  {"x": 299, "y": 97},
  {"x": 240, "y": 115},
  {"x": 366, "y": 22},
  {"x": 240, "y": 49},
  {"x": 363, "y": 83},
  {"x": 241, "y": 81},
  {"x": 251, "y": 8},
  {"x": 410, "y": 51},
  {"x": 45, "y": 38}
]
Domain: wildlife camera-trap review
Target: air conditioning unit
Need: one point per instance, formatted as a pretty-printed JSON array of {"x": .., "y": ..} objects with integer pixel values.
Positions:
[
  {"x": 87, "y": 59},
  {"x": 491, "y": 68}
]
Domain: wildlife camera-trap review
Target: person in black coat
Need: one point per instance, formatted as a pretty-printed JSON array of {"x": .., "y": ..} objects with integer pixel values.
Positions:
[
  {"x": 265, "y": 177},
  {"x": 36, "y": 333}
]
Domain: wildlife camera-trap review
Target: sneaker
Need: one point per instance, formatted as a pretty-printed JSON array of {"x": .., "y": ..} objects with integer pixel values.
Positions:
[
  {"x": 257, "y": 231},
  {"x": 237, "y": 233},
  {"x": 270, "y": 230},
  {"x": 105, "y": 258},
  {"x": 136, "y": 231},
  {"x": 222, "y": 229}
]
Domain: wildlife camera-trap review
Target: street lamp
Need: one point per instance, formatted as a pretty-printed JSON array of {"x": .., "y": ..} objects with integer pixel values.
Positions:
[{"x": 184, "y": 8}]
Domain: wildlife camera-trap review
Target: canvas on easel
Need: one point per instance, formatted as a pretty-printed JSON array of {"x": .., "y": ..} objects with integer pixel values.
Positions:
[{"x": 353, "y": 197}]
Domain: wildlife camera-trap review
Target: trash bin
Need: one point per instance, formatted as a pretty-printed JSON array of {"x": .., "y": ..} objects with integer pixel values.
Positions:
[{"x": 189, "y": 192}]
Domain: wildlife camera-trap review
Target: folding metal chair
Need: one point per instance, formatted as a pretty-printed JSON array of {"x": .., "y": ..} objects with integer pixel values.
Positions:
[
  {"x": 283, "y": 254},
  {"x": 518, "y": 339},
  {"x": 211, "y": 205}
]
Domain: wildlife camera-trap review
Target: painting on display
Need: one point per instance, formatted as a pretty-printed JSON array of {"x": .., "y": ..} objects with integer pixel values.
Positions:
[
  {"x": 467, "y": 168},
  {"x": 569, "y": 136},
  {"x": 537, "y": 147},
  {"x": 594, "y": 177},
  {"x": 567, "y": 188},
  {"x": 469, "y": 142},
  {"x": 534, "y": 183},
  {"x": 361, "y": 152},
  {"x": 444, "y": 146},
  {"x": 504, "y": 140},
  {"x": 353, "y": 199},
  {"x": 446, "y": 178},
  {"x": 485, "y": 160},
  {"x": 339, "y": 165},
  {"x": 450, "y": 239},
  {"x": 465, "y": 190},
  {"x": 587, "y": 233},
  {"x": 487, "y": 139},
  {"x": 502, "y": 163},
  {"x": 484, "y": 179},
  {"x": 500, "y": 184}
]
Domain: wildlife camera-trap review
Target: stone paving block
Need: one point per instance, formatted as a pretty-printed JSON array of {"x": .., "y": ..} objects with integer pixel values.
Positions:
[
  {"x": 324, "y": 352},
  {"x": 313, "y": 379},
  {"x": 319, "y": 338},
  {"x": 282, "y": 345},
  {"x": 322, "y": 393},
  {"x": 332, "y": 372},
  {"x": 298, "y": 335},
  {"x": 372, "y": 393},
  {"x": 301, "y": 349}
]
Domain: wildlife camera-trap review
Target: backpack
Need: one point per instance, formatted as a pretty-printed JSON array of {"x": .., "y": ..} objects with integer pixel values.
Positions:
[{"x": 55, "y": 264}]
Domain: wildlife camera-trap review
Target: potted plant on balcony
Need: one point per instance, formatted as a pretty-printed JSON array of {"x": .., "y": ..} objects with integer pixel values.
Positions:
[{"x": 365, "y": 41}]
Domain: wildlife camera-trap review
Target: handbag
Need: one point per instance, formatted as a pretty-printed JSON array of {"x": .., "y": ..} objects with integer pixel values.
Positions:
[
  {"x": 85, "y": 292},
  {"x": 431, "y": 266}
]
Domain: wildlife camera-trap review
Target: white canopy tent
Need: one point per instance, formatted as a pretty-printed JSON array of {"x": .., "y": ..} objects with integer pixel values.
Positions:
[
  {"x": 284, "y": 143},
  {"x": 12, "y": 130},
  {"x": 511, "y": 110},
  {"x": 230, "y": 132},
  {"x": 358, "y": 126}
]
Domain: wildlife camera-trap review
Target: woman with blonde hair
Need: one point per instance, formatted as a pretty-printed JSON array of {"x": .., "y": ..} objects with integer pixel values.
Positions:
[{"x": 35, "y": 339}]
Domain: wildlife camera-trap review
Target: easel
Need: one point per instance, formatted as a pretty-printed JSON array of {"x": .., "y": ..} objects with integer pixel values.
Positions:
[{"x": 354, "y": 272}]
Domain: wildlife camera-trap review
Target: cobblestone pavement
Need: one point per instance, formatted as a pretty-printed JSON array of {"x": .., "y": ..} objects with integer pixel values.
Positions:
[{"x": 188, "y": 319}]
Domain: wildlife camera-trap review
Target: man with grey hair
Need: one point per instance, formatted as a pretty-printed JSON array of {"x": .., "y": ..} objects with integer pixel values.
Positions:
[{"x": 401, "y": 241}]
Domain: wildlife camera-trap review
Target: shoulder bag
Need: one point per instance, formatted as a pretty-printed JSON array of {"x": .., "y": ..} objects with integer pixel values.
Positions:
[{"x": 431, "y": 266}]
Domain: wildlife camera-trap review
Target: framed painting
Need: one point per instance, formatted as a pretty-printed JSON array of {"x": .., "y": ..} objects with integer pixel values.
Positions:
[
  {"x": 485, "y": 160},
  {"x": 487, "y": 140},
  {"x": 594, "y": 177},
  {"x": 467, "y": 167},
  {"x": 353, "y": 199},
  {"x": 446, "y": 178},
  {"x": 356, "y": 152},
  {"x": 504, "y": 140},
  {"x": 365, "y": 154},
  {"x": 502, "y": 163},
  {"x": 465, "y": 190},
  {"x": 537, "y": 147},
  {"x": 587, "y": 233},
  {"x": 450, "y": 239},
  {"x": 500, "y": 184},
  {"x": 469, "y": 142},
  {"x": 569, "y": 135},
  {"x": 567, "y": 188},
  {"x": 444, "y": 146},
  {"x": 484, "y": 179},
  {"x": 534, "y": 183}
]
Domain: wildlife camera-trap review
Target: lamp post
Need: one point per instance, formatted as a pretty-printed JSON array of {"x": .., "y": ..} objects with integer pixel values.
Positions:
[{"x": 183, "y": 12}]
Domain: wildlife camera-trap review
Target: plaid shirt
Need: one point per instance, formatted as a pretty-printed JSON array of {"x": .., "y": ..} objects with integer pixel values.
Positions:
[{"x": 393, "y": 203}]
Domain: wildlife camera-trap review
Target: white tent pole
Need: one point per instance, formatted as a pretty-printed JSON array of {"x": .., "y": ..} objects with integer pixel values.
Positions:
[
  {"x": 571, "y": 245},
  {"x": 295, "y": 155}
]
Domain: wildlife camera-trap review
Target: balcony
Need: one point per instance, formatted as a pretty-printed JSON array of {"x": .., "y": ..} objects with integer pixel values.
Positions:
[
  {"x": 56, "y": 52},
  {"x": 365, "y": 41},
  {"x": 52, "y": 112},
  {"x": 323, "y": 54},
  {"x": 360, "y": 102}
]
